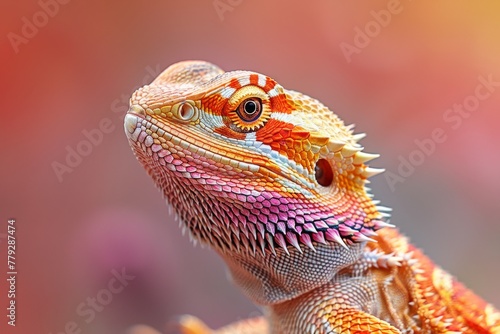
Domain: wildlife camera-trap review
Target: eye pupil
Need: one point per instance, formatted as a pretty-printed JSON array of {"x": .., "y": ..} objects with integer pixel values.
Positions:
[
  {"x": 323, "y": 173},
  {"x": 250, "y": 107}
]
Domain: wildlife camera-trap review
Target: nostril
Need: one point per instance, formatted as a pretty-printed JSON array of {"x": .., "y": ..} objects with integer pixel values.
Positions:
[{"x": 186, "y": 111}]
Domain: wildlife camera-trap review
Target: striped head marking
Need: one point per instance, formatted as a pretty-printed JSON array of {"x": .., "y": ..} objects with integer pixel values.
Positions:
[{"x": 249, "y": 165}]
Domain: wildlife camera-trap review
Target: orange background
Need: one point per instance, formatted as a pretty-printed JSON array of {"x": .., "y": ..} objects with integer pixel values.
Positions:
[{"x": 105, "y": 214}]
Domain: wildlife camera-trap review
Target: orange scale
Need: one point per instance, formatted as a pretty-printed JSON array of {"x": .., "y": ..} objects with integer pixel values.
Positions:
[
  {"x": 297, "y": 146},
  {"x": 272, "y": 167},
  {"x": 213, "y": 104},
  {"x": 235, "y": 83},
  {"x": 254, "y": 79},
  {"x": 231, "y": 155},
  {"x": 280, "y": 104},
  {"x": 299, "y": 133},
  {"x": 275, "y": 146},
  {"x": 272, "y": 127},
  {"x": 227, "y": 132},
  {"x": 283, "y": 151},
  {"x": 289, "y": 142},
  {"x": 267, "y": 140},
  {"x": 285, "y": 133},
  {"x": 319, "y": 140},
  {"x": 270, "y": 83},
  {"x": 277, "y": 136}
]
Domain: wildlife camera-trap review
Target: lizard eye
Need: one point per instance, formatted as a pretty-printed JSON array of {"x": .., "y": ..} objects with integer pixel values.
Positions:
[
  {"x": 250, "y": 109},
  {"x": 323, "y": 173}
]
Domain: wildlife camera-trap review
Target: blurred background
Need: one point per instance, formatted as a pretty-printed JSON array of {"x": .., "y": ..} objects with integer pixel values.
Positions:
[{"x": 86, "y": 212}]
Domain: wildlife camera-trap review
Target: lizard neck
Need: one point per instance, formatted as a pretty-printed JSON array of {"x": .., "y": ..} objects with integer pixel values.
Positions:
[{"x": 272, "y": 279}]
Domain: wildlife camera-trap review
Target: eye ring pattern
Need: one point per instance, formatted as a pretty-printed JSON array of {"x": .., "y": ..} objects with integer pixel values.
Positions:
[{"x": 248, "y": 109}]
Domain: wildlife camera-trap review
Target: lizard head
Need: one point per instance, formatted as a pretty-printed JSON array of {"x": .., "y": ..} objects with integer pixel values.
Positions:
[{"x": 250, "y": 166}]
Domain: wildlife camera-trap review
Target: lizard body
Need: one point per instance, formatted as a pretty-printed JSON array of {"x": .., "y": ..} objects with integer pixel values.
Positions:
[{"x": 275, "y": 182}]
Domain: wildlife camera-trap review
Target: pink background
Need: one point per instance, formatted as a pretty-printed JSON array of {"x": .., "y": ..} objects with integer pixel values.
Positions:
[{"x": 72, "y": 74}]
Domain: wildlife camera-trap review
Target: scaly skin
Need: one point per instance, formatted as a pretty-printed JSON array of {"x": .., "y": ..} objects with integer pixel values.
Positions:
[{"x": 275, "y": 183}]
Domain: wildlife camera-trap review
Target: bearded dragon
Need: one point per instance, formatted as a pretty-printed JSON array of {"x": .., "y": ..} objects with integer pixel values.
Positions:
[{"x": 275, "y": 183}]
